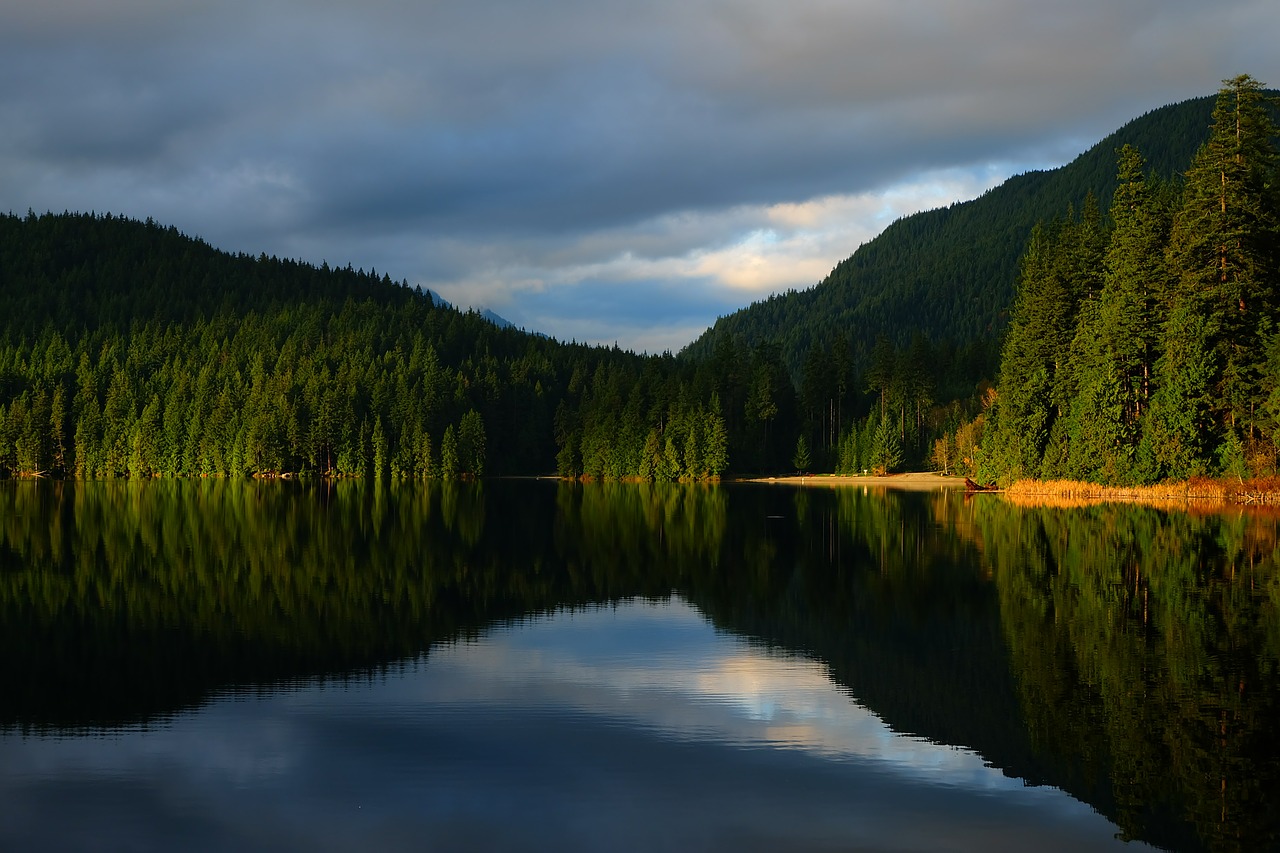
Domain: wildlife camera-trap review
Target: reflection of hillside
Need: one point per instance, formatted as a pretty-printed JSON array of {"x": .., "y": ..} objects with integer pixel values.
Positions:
[
  {"x": 881, "y": 589},
  {"x": 121, "y": 601},
  {"x": 1123, "y": 654},
  {"x": 1146, "y": 649}
]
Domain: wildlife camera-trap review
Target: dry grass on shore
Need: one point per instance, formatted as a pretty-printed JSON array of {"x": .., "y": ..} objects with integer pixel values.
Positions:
[{"x": 1263, "y": 491}]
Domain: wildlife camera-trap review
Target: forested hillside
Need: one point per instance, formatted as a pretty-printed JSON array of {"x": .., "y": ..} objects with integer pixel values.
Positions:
[
  {"x": 949, "y": 273},
  {"x": 129, "y": 349},
  {"x": 1147, "y": 348}
]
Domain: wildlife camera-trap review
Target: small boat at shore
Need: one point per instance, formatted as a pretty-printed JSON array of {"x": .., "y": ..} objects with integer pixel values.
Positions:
[{"x": 972, "y": 486}]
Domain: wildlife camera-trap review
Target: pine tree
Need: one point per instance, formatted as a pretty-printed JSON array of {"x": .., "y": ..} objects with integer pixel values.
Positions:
[
  {"x": 879, "y": 373},
  {"x": 669, "y": 465},
  {"x": 1136, "y": 282},
  {"x": 886, "y": 452},
  {"x": 762, "y": 403},
  {"x": 800, "y": 459},
  {"x": 471, "y": 443},
  {"x": 449, "y": 464},
  {"x": 1098, "y": 435},
  {"x": 693, "y": 451},
  {"x": 58, "y": 429},
  {"x": 848, "y": 462},
  {"x": 716, "y": 439},
  {"x": 144, "y": 458},
  {"x": 381, "y": 454},
  {"x": 7, "y": 462},
  {"x": 1034, "y": 345},
  {"x": 651, "y": 456},
  {"x": 1178, "y": 431},
  {"x": 1223, "y": 243},
  {"x": 425, "y": 457}
]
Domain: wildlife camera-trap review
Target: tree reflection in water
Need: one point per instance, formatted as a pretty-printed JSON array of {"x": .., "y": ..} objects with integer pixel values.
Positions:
[{"x": 1127, "y": 655}]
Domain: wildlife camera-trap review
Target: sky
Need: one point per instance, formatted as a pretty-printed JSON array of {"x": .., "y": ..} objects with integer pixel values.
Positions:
[{"x": 596, "y": 170}]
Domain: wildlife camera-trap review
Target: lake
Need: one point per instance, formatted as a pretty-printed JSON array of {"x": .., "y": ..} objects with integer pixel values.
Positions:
[{"x": 515, "y": 665}]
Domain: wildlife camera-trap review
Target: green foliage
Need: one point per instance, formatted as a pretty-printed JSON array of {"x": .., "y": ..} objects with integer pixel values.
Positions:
[
  {"x": 449, "y": 462},
  {"x": 800, "y": 458},
  {"x": 1143, "y": 353},
  {"x": 1178, "y": 429},
  {"x": 271, "y": 367},
  {"x": 849, "y": 461},
  {"x": 1231, "y": 458},
  {"x": 950, "y": 273},
  {"x": 471, "y": 443},
  {"x": 275, "y": 368},
  {"x": 886, "y": 451},
  {"x": 715, "y": 456},
  {"x": 1223, "y": 245}
]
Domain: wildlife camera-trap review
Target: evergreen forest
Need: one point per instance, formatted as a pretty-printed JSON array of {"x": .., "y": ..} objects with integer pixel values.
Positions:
[
  {"x": 949, "y": 274},
  {"x": 1140, "y": 346},
  {"x": 129, "y": 349},
  {"x": 1143, "y": 345}
]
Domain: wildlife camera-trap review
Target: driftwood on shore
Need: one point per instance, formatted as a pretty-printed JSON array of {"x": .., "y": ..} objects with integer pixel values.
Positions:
[{"x": 972, "y": 486}]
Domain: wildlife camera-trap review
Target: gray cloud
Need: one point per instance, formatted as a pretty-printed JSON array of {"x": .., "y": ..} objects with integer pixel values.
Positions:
[{"x": 426, "y": 138}]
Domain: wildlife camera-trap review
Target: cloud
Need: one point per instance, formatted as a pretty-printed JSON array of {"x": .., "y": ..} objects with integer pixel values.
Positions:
[
  {"x": 657, "y": 285},
  {"x": 471, "y": 145}
]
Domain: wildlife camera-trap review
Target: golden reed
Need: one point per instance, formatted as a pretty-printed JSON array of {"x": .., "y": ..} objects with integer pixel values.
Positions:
[{"x": 1258, "y": 491}]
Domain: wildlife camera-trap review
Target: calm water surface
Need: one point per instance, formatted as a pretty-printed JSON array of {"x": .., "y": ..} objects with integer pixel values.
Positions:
[{"x": 526, "y": 665}]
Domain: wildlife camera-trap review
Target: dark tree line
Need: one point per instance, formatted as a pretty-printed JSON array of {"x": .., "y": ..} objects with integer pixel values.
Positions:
[
  {"x": 1145, "y": 348},
  {"x": 128, "y": 349}
]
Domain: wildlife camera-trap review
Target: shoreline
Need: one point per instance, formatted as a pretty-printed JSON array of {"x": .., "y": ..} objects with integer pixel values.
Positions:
[
  {"x": 917, "y": 481},
  {"x": 1200, "y": 492}
]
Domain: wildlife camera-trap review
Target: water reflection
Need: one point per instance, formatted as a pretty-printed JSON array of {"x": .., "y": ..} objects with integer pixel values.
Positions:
[
  {"x": 1128, "y": 656},
  {"x": 632, "y": 727},
  {"x": 1145, "y": 643},
  {"x": 661, "y": 665}
]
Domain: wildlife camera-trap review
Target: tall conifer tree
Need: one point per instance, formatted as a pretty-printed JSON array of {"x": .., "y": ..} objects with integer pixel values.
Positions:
[
  {"x": 1223, "y": 243},
  {"x": 1136, "y": 281}
]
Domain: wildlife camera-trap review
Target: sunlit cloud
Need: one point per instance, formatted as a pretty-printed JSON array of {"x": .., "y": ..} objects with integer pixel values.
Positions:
[
  {"x": 691, "y": 267},
  {"x": 757, "y": 249}
]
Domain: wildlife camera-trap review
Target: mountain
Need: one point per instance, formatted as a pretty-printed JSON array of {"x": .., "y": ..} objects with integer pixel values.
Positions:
[
  {"x": 130, "y": 349},
  {"x": 496, "y": 319},
  {"x": 950, "y": 272},
  {"x": 492, "y": 316}
]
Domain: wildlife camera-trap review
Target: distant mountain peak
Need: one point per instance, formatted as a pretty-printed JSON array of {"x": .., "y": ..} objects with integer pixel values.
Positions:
[
  {"x": 496, "y": 319},
  {"x": 488, "y": 314}
]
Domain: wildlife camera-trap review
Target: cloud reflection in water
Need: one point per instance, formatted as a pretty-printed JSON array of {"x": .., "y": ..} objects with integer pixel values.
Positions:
[{"x": 637, "y": 726}]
